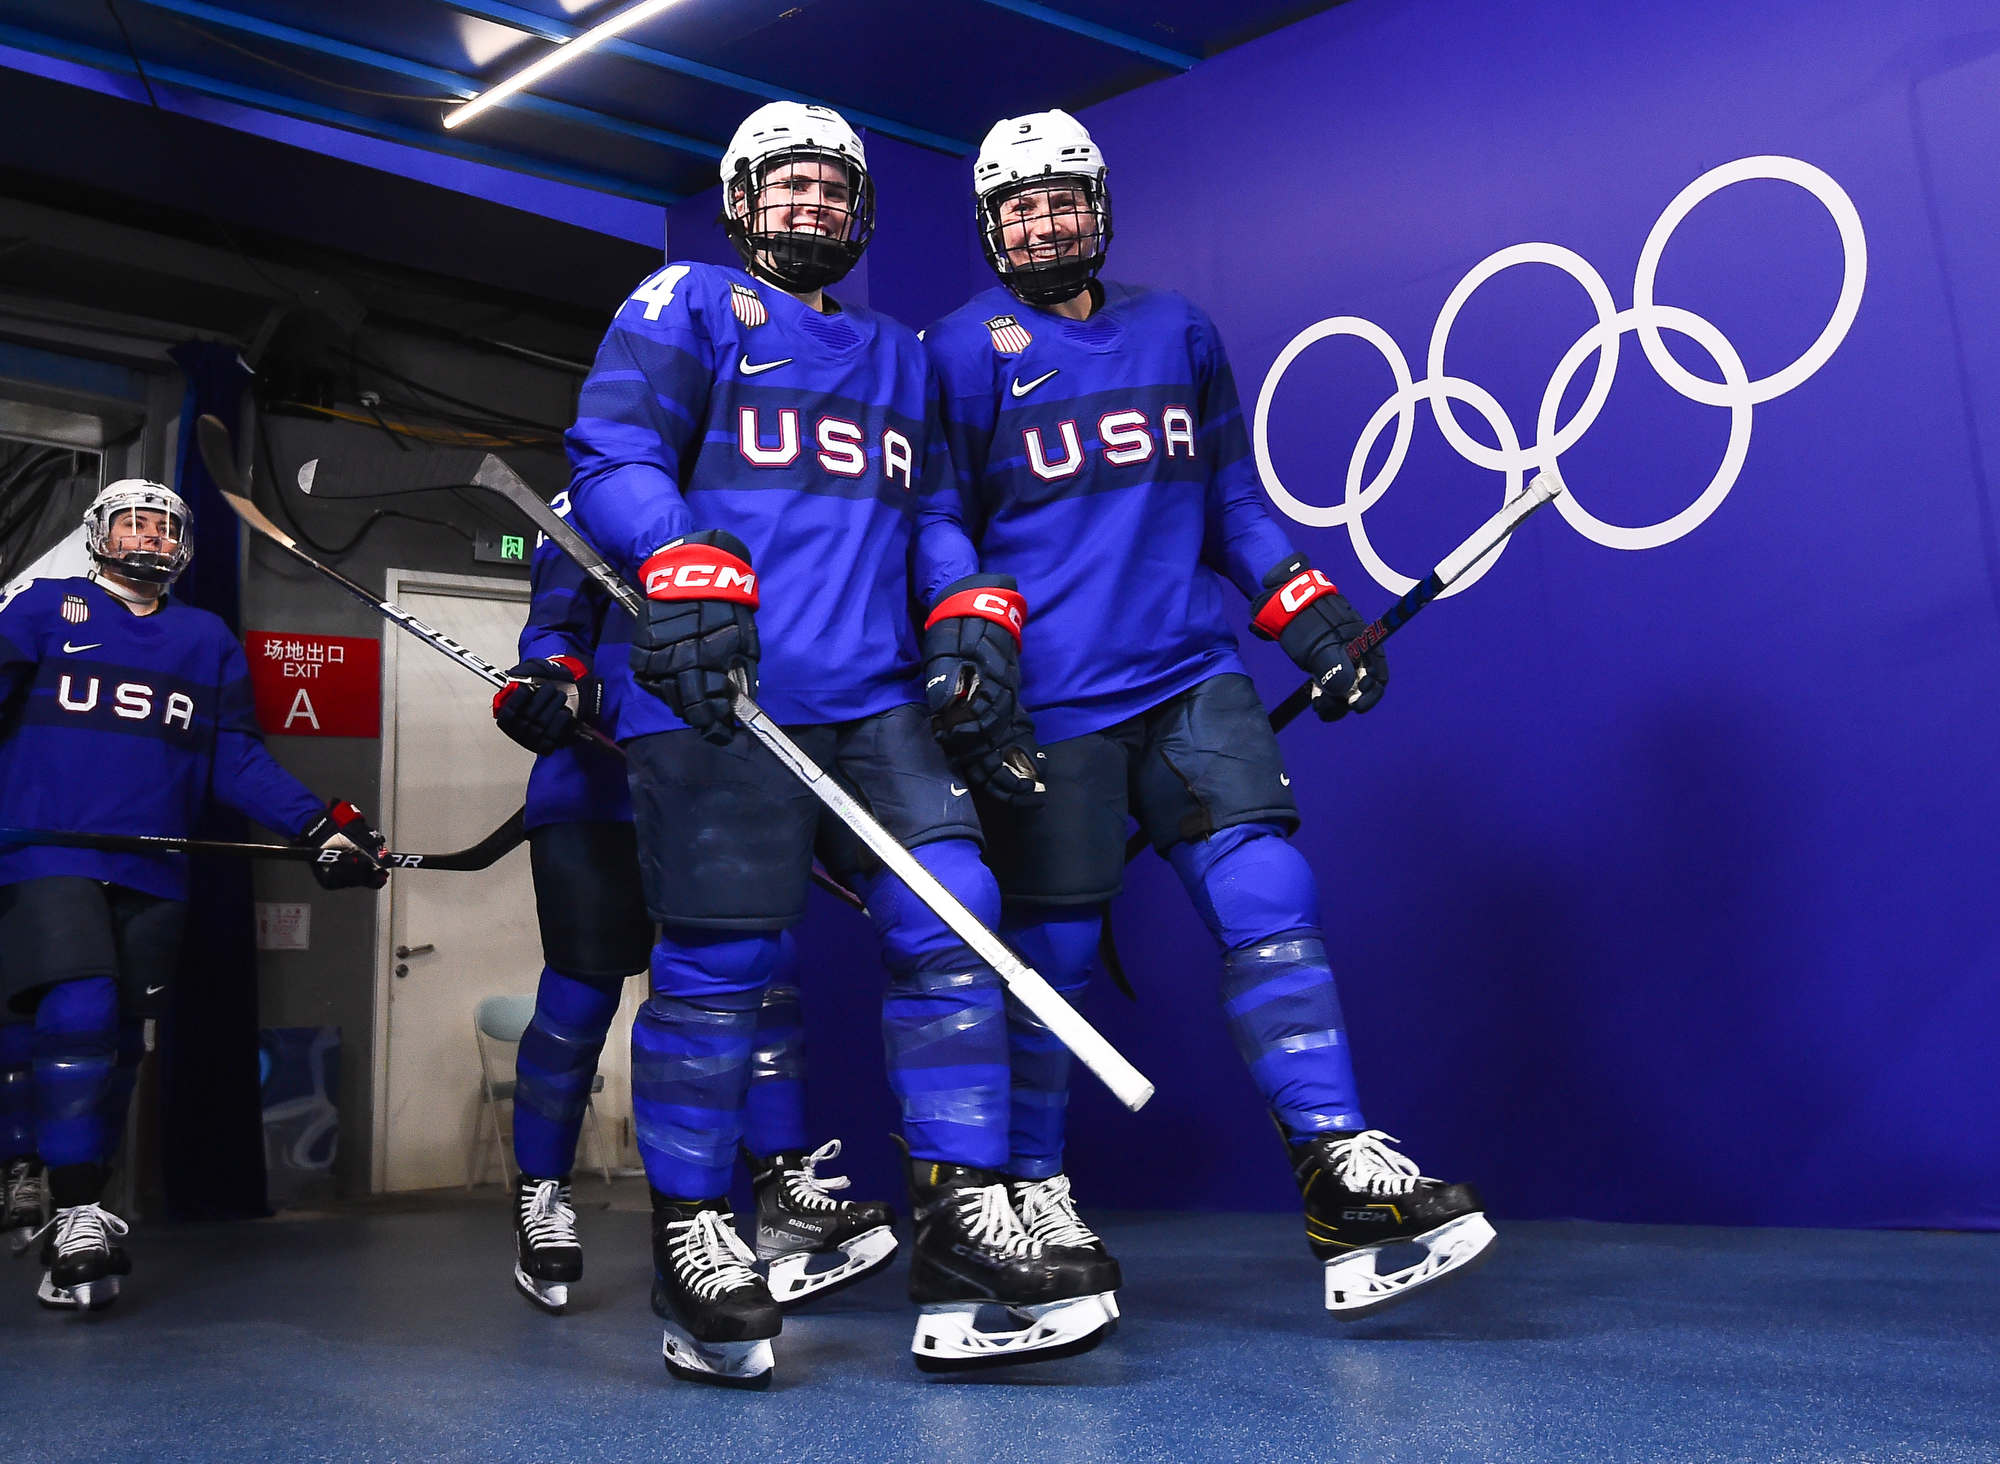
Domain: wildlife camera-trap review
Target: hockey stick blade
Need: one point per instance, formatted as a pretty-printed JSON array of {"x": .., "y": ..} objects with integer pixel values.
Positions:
[
  {"x": 1089, "y": 1045},
  {"x": 482, "y": 855}
]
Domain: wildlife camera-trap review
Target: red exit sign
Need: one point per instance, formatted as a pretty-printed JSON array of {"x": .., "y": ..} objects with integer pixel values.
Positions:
[{"x": 316, "y": 685}]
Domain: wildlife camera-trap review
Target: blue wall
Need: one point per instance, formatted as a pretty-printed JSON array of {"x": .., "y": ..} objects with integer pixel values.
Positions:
[{"x": 1659, "y": 882}]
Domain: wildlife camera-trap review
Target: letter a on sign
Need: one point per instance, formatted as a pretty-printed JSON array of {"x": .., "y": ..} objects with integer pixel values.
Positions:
[{"x": 302, "y": 707}]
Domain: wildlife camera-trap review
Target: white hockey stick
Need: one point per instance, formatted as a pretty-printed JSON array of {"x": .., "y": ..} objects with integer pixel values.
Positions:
[{"x": 1126, "y": 1082}]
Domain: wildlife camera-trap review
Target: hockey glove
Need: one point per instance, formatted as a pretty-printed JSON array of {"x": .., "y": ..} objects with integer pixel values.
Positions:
[
  {"x": 1303, "y": 612},
  {"x": 699, "y": 627},
  {"x": 1007, "y": 767},
  {"x": 972, "y": 680},
  {"x": 545, "y": 703},
  {"x": 349, "y": 849}
]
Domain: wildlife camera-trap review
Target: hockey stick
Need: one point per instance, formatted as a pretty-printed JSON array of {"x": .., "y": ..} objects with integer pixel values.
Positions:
[
  {"x": 1126, "y": 1083},
  {"x": 482, "y": 855}
]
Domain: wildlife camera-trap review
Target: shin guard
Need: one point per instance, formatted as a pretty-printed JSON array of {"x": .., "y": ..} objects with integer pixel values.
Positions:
[
  {"x": 76, "y": 1056},
  {"x": 1061, "y": 943},
  {"x": 554, "y": 1069},
  {"x": 774, "y": 1109}
]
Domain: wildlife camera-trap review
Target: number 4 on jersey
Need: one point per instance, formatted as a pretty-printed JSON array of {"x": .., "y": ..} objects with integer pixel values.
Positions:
[{"x": 656, "y": 293}]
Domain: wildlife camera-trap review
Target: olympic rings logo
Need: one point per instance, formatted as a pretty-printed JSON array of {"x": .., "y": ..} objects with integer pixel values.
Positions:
[{"x": 1735, "y": 391}]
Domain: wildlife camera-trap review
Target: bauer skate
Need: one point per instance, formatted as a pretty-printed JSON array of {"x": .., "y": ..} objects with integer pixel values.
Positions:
[
  {"x": 989, "y": 1294},
  {"x": 1049, "y": 1214},
  {"x": 719, "y": 1313},
  {"x": 800, "y": 1223},
  {"x": 21, "y": 1204},
  {"x": 82, "y": 1263},
  {"x": 548, "y": 1257},
  {"x": 1363, "y": 1197}
]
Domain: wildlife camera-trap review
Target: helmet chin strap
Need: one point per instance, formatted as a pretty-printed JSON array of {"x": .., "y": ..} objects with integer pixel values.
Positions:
[{"x": 142, "y": 597}]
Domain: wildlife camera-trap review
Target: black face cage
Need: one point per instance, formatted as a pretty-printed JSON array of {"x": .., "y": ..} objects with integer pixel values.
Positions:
[
  {"x": 144, "y": 565},
  {"x": 800, "y": 262},
  {"x": 1053, "y": 281}
]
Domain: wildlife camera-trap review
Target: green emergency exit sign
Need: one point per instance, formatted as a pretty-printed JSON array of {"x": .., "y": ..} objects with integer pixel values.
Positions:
[{"x": 495, "y": 546}]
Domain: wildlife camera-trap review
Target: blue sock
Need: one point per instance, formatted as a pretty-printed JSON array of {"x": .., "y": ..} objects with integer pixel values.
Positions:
[
  {"x": 76, "y": 1054},
  {"x": 774, "y": 1109},
  {"x": 554, "y": 1069},
  {"x": 1061, "y": 943}
]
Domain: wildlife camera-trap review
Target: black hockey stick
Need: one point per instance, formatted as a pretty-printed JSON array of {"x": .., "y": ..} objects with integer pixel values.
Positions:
[
  {"x": 1488, "y": 537},
  {"x": 1024, "y": 983},
  {"x": 482, "y": 855}
]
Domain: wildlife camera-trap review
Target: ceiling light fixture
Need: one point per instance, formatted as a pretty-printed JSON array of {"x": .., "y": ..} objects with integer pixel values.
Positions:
[{"x": 562, "y": 55}]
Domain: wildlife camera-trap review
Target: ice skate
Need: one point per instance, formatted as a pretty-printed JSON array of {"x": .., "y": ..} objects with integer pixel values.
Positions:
[
  {"x": 719, "y": 1313},
  {"x": 548, "y": 1257},
  {"x": 1362, "y": 1198},
  {"x": 81, "y": 1262},
  {"x": 989, "y": 1294},
  {"x": 810, "y": 1242},
  {"x": 1048, "y": 1213},
  {"x": 22, "y": 1210}
]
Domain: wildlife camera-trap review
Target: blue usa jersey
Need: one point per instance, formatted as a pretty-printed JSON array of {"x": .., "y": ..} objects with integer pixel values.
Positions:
[
  {"x": 583, "y": 782},
  {"x": 116, "y": 723},
  {"x": 1105, "y": 465},
  {"x": 719, "y": 402}
]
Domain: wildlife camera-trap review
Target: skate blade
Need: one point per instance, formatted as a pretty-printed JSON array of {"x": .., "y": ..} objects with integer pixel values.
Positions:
[
  {"x": 724, "y": 1364},
  {"x": 791, "y": 1283},
  {"x": 1354, "y": 1289},
  {"x": 92, "y": 1296},
  {"x": 948, "y": 1340},
  {"x": 551, "y": 1296}
]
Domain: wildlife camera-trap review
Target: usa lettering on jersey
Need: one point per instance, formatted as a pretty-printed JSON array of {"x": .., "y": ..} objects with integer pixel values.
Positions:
[
  {"x": 838, "y": 441},
  {"x": 1125, "y": 438},
  {"x": 131, "y": 701},
  {"x": 1010, "y": 337}
]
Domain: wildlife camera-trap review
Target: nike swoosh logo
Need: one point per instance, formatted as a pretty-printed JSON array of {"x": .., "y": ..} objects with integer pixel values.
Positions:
[
  {"x": 71, "y": 650},
  {"x": 957, "y": 792},
  {"x": 155, "y": 990},
  {"x": 1286, "y": 779},
  {"x": 749, "y": 370},
  {"x": 1021, "y": 388}
]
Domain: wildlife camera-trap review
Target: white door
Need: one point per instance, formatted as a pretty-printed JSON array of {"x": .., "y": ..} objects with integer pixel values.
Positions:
[{"x": 449, "y": 778}]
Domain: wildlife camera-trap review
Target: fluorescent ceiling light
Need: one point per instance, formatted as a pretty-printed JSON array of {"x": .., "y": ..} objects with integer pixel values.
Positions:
[{"x": 562, "y": 55}]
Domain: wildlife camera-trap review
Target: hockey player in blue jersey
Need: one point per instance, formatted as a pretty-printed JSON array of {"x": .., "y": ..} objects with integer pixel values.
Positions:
[
  {"x": 1102, "y": 464},
  {"x": 596, "y": 933},
  {"x": 122, "y": 711},
  {"x": 752, "y": 453}
]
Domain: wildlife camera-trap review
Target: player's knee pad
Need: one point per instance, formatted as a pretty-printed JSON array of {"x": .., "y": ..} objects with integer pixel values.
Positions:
[
  {"x": 1059, "y": 941},
  {"x": 1249, "y": 884},
  {"x": 774, "y": 1118},
  {"x": 945, "y": 1036},
  {"x": 1284, "y": 1013},
  {"x": 691, "y": 1048},
  {"x": 76, "y": 1053},
  {"x": 17, "y": 1090},
  {"x": 912, "y": 936},
  {"x": 555, "y": 1068}
]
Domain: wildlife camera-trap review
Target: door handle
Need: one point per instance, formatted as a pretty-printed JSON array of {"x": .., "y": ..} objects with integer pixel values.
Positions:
[{"x": 403, "y": 953}]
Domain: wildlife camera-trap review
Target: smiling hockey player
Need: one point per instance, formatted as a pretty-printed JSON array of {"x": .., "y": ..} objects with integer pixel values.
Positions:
[
  {"x": 752, "y": 452},
  {"x": 1102, "y": 464},
  {"x": 122, "y": 711},
  {"x": 596, "y": 933}
]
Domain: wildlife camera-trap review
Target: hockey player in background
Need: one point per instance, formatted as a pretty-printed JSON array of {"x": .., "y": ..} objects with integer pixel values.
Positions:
[
  {"x": 751, "y": 453},
  {"x": 596, "y": 933},
  {"x": 122, "y": 711},
  {"x": 1102, "y": 463}
]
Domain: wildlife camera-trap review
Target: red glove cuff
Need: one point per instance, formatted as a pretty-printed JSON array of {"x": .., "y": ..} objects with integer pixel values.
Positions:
[
  {"x": 577, "y": 670},
  {"x": 345, "y": 815},
  {"x": 1002, "y": 607},
  {"x": 698, "y": 572},
  {"x": 1285, "y": 602}
]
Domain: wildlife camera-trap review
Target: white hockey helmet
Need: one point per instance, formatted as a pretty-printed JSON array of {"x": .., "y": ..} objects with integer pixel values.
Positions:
[
  {"x": 1021, "y": 154},
  {"x": 128, "y": 497},
  {"x": 785, "y": 132}
]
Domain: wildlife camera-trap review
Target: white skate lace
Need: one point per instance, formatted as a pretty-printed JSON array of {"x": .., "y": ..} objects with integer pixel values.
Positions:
[
  {"x": 546, "y": 1216},
  {"x": 1364, "y": 1163},
  {"x": 21, "y": 1192},
  {"x": 807, "y": 1189},
  {"x": 1049, "y": 1214},
  {"x": 990, "y": 1217},
  {"x": 711, "y": 1256},
  {"x": 81, "y": 1228}
]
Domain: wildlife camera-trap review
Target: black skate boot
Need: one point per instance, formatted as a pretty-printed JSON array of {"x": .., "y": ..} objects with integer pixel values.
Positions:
[
  {"x": 799, "y": 1222},
  {"x": 1048, "y": 1213},
  {"x": 21, "y": 1207},
  {"x": 719, "y": 1313},
  {"x": 972, "y": 1262},
  {"x": 547, "y": 1255},
  {"x": 81, "y": 1261},
  {"x": 1361, "y": 1197}
]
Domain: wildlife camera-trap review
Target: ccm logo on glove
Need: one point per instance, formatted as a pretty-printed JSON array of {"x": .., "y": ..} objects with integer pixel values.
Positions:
[
  {"x": 1293, "y": 596},
  {"x": 1001, "y": 606},
  {"x": 699, "y": 572}
]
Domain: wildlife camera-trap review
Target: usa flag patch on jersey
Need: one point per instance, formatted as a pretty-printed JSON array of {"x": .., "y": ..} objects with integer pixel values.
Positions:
[
  {"x": 1010, "y": 337},
  {"x": 75, "y": 609},
  {"x": 749, "y": 309}
]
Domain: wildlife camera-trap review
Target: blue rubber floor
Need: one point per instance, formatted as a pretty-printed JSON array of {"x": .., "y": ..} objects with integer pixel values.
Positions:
[{"x": 398, "y": 1336}]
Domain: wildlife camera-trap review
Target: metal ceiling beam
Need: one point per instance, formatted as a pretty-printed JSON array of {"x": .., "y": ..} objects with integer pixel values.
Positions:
[
  {"x": 550, "y": 29},
  {"x": 1048, "y": 15},
  {"x": 438, "y": 141},
  {"x": 451, "y": 82}
]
